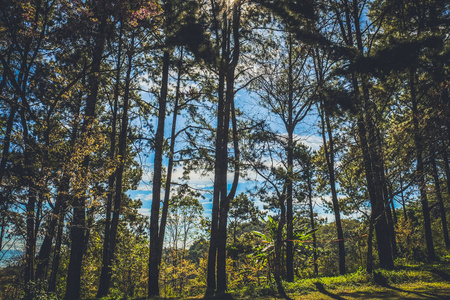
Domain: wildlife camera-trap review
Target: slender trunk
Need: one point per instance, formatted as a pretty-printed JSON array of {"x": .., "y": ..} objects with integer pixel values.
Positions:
[
  {"x": 107, "y": 270},
  {"x": 367, "y": 132},
  {"x": 329, "y": 155},
  {"x": 102, "y": 291},
  {"x": 2, "y": 231},
  {"x": 65, "y": 199},
  {"x": 224, "y": 199},
  {"x": 437, "y": 187},
  {"x": 369, "y": 266},
  {"x": 278, "y": 248},
  {"x": 390, "y": 218},
  {"x": 165, "y": 209},
  {"x": 420, "y": 169},
  {"x": 57, "y": 250},
  {"x": 73, "y": 287},
  {"x": 311, "y": 219},
  {"x": 229, "y": 109},
  {"x": 402, "y": 196},
  {"x": 289, "y": 179},
  {"x": 377, "y": 205},
  {"x": 391, "y": 201},
  {"x": 46, "y": 247},
  {"x": 219, "y": 173},
  {"x": 446, "y": 164},
  {"x": 153, "y": 288},
  {"x": 30, "y": 243},
  {"x": 7, "y": 141},
  {"x": 30, "y": 247}
]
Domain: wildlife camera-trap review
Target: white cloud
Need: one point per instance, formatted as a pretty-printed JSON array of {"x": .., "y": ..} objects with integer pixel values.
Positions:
[
  {"x": 144, "y": 211},
  {"x": 144, "y": 197},
  {"x": 313, "y": 141}
]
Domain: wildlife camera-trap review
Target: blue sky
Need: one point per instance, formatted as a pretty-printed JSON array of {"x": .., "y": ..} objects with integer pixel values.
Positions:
[{"x": 306, "y": 132}]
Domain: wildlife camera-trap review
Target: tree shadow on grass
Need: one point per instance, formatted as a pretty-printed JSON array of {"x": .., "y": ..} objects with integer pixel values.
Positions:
[
  {"x": 322, "y": 289},
  {"x": 382, "y": 281},
  {"x": 222, "y": 296},
  {"x": 441, "y": 274}
]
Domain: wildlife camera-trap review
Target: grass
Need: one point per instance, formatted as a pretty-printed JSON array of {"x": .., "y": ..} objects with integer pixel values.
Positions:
[{"x": 425, "y": 281}]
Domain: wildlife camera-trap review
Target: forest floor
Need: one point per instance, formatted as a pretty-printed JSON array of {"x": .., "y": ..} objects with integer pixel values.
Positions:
[{"x": 425, "y": 281}]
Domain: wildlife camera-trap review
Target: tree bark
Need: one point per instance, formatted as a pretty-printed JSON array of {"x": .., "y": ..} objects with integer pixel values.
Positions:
[
  {"x": 446, "y": 164},
  {"x": 73, "y": 287},
  {"x": 107, "y": 270},
  {"x": 219, "y": 170},
  {"x": 165, "y": 209},
  {"x": 420, "y": 169},
  {"x": 43, "y": 258},
  {"x": 102, "y": 290},
  {"x": 437, "y": 187},
  {"x": 153, "y": 288},
  {"x": 290, "y": 173},
  {"x": 311, "y": 219},
  {"x": 368, "y": 136},
  {"x": 63, "y": 193},
  {"x": 329, "y": 155},
  {"x": 7, "y": 141}
]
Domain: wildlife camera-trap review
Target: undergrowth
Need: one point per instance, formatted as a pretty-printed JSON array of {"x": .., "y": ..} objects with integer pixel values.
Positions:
[{"x": 405, "y": 273}]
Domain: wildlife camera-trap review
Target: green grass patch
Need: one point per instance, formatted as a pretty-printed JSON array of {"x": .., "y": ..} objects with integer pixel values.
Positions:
[{"x": 419, "y": 281}]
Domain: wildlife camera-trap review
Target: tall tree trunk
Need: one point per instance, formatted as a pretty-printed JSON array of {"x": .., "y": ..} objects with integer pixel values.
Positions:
[
  {"x": 369, "y": 266},
  {"x": 438, "y": 192},
  {"x": 311, "y": 219},
  {"x": 7, "y": 141},
  {"x": 64, "y": 198},
  {"x": 102, "y": 290},
  {"x": 402, "y": 196},
  {"x": 278, "y": 247},
  {"x": 446, "y": 163},
  {"x": 165, "y": 209},
  {"x": 420, "y": 169},
  {"x": 63, "y": 193},
  {"x": 73, "y": 287},
  {"x": 30, "y": 247},
  {"x": 290, "y": 173},
  {"x": 46, "y": 247},
  {"x": 2, "y": 231},
  {"x": 367, "y": 133},
  {"x": 153, "y": 288},
  {"x": 219, "y": 170},
  {"x": 329, "y": 155},
  {"x": 107, "y": 271},
  {"x": 229, "y": 109},
  {"x": 389, "y": 214}
]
